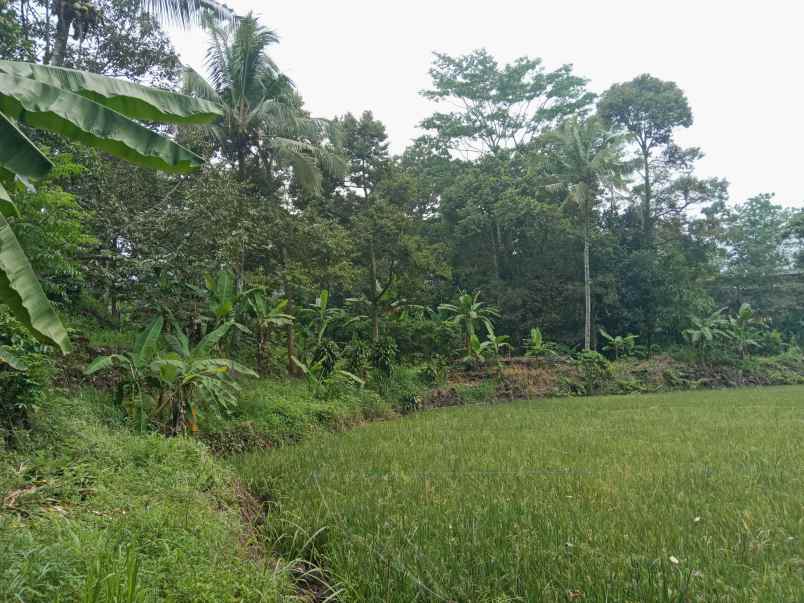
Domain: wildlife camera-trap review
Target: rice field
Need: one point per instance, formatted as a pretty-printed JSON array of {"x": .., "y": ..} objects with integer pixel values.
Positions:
[{"x": 690, "y": 496}]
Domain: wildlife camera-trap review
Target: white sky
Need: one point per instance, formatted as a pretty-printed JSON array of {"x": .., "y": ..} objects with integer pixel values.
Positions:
[{"x": 739, "y": 62}]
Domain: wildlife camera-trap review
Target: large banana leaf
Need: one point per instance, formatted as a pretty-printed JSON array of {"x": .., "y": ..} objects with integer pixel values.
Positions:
[
  {"x": 132, "y": 100},
  {"x": 21, "y": 292},
  {"x": 78, "y": 118},
  {"x": 18, "y": 154},
  {"x": 7, "y": 207}
]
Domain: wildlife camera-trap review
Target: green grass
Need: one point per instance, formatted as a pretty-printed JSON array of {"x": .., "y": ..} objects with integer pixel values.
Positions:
[
  {"x": 84, "y": 502},
  {"x": 279, "y": 412},
  {"x": 686, "y": 496}
]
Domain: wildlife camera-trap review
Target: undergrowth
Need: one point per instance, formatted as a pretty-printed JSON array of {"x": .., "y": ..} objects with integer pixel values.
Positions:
[{"x": 93, "y": 512}]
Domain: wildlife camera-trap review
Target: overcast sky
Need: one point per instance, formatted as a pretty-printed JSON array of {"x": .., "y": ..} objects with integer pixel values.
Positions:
[{"x": 739, "y": 62}]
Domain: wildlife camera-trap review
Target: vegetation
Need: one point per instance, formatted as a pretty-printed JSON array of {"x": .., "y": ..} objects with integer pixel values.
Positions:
[
  {"x": 661, "y": 498},
  {"x": 194, "y": 268},
  {"x": 93, "y": 512}
]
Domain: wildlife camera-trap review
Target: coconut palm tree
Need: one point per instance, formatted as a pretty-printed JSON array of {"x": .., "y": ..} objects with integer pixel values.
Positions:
[
  {"x": 588, "y": 155},
  {"x": 79, "y": 16},
  {"x": 263, "y": 125}
]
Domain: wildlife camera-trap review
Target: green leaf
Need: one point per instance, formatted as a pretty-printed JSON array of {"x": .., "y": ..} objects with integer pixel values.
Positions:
[
  {"x": 6, "y": 357},
  {"x": 179, "y": 341},
  {"x": 148, "y": 342},
  {"x": 18, "y": 154},
  {"x": 222, "y": 365},
  {"x": 21, "y": 292},
  {"x": 7, "y": 207},
  {"x": 47, "y": 107},
  {"x": 352, "y": 377},
  {"x": 132, "y": 100},
  {"x": 211, "y": 340},
  {"x": 101, "y": 363}
]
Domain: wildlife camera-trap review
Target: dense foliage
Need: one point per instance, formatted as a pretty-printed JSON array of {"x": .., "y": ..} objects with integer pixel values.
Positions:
[
  {"x": 569, "y": 212},
  {"x": 230, "y": 267}
]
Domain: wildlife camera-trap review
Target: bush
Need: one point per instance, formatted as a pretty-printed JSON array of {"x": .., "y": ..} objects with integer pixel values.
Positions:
[
  {"x": 384, "y": 356},
  {"x": 595, "y": 372},
  {"x": 89, "y": 499},
  {"x": 20, "y": 388},
  {"x": 434, "y": 372}
]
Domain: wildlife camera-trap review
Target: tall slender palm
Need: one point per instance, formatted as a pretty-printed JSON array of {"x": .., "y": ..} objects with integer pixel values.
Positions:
[
  {"x": 264, "y": 124},
  {"x": 82, "y": 16},
  {"x": 588, "y": 155}
]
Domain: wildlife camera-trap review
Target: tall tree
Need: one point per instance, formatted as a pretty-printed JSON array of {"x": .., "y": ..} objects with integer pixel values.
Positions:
[
  {"x": 650, "y": 110},
  {"x": 589, "y": 157},
  {"x": 375, "y": 199},
  {"x": 79, "y": 18},
  {"x": 264, "y": 125},
  {"x": 499, "y": 108}
]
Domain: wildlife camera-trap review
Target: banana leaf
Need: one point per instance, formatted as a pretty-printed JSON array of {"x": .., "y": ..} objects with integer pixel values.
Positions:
[
  {"x": 132, "y": 100},
  {"x": 21, "y": 292},
  {"x": 83, "y": 120},
  {"x": 7, "y": 357},
  {"x": 18, "y": 154},
  {"x": 7, "y": 207}
]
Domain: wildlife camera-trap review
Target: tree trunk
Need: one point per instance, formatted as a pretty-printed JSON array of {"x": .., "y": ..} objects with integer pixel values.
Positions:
[
  {"x": 494, "y": 253},
  {"x": 375, "y": 312},
  {"x": 587, "y": 290},
  {"x": 293, "y": 370},
  {"x": 647, "y": 199},
  {"x": 62, "y": 34}
]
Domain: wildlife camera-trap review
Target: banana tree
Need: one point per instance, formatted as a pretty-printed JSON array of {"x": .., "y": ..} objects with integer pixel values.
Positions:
[
  {"x": 466, "y": 314},
  {"x": 266, "y": 317},
  {"x": 137, "y": 365},
  {"x": 195, "y": 378},
  {"x": 224, "y": 303},
  {"x": 744, "y": 330},
  {"x": 619, "y": 344},
  {"x": 706, "y": 331},
  {"x": 536, "y": 345},
  {"x": 90, "y": 109}
]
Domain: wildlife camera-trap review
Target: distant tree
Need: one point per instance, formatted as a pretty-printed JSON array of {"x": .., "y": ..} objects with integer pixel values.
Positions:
[
  {"x": 650, "y": 110},
  {"x": 499, "y": 108},
  {"x": 374, "y": 200},
  {"x": 264, "y": 125},
  {"x": 588, "y": 156},
  {"x": 794, "y": 231},
  {"x": 79, "y": 18},
  {"x": 755, "y": 232},
  {"x": 760, "y": 261}
]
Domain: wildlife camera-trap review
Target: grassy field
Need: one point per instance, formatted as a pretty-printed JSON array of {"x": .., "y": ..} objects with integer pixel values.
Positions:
[{"x": 695, "y": 496}]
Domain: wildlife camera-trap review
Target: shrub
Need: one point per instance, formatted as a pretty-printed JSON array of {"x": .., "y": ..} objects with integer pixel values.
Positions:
[
  {"x": 22, "y": 374},
  {"x": 595, "y": 372},
  {"x": 434, "y": 372},
  {"x": 384, "y": 355}
]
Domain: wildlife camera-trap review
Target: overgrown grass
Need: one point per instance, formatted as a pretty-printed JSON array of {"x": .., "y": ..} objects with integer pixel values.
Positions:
[
  {"x": 92, "y": 512},
  {"x": 272, "y": 413},
  {"x": 685, "y": 496}
]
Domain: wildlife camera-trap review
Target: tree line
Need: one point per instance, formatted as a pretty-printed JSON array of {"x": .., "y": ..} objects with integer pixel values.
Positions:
[{"x": 567, "y": 210}]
